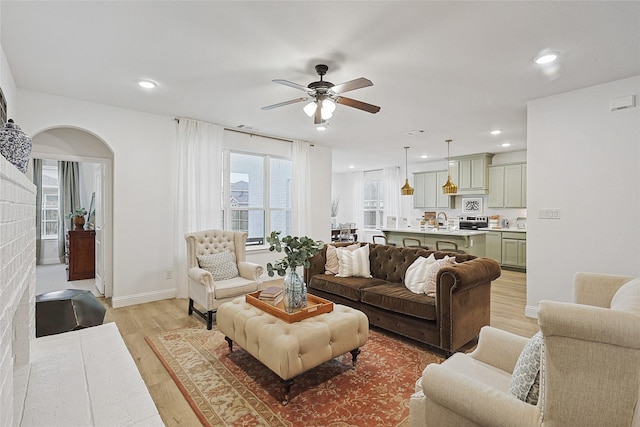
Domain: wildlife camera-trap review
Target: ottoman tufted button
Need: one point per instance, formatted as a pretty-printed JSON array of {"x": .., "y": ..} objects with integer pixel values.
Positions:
[{"x": 299, "y": 355}]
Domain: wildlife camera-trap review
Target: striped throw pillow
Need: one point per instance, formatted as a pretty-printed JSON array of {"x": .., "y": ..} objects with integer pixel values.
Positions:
[{"x": 354, "y": 263}]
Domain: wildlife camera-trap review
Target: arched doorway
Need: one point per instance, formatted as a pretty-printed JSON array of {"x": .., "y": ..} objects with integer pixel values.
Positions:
[{"x": 92, "y": 152}]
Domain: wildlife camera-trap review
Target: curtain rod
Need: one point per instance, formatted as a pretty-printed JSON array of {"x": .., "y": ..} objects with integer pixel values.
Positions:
[{"x": 177, "y": 119}]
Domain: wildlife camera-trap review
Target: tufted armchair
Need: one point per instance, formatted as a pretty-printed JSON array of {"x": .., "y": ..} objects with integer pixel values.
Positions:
[
  {"x": 203, "y": 289},
  {"x": 589, "y": 372}
]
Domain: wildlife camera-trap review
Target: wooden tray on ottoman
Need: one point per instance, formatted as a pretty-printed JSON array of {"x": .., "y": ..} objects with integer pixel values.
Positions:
[{"x": 315, "y": 306}]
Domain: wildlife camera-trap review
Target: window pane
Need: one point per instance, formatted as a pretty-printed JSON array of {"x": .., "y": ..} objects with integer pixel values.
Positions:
[
  {"x": 280, "y": 185},
  {"x": 371, "y": 190},
  {"x": 50, "y": 214},
  {"x": 252, "y": 222},
  {"x": 49, "y": 228},
  {"x": 247, "y": 180},
  {"x": 280, "y": 221},
  {"x": 369, "y": 219}
]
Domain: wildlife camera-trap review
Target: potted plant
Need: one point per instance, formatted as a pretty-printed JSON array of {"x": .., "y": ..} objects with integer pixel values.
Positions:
[
  {"x": 78, "y": 217},
  {"x": 298, "y": 251}
]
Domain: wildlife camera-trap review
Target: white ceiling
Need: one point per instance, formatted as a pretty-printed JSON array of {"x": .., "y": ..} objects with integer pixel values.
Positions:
[{"x": 454, "y": 69}]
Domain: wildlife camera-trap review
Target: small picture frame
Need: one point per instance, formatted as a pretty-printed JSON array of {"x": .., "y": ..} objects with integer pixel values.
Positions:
[
  {"x": 392, "y": 222},
  {"x": 472, "y": 205}
]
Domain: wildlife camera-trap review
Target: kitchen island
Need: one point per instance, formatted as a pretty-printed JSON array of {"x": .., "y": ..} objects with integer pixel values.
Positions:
[{"x": 471, "y": 241}]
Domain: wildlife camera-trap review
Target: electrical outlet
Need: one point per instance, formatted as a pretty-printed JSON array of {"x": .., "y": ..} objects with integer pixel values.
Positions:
[{"x": 168, "y": 274}]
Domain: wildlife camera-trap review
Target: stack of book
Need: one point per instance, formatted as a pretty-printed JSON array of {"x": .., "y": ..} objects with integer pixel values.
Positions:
[{"x": 272, "y": 295}]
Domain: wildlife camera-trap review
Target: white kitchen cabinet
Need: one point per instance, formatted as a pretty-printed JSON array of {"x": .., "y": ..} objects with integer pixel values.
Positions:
[
  {"x": 508, "y": 186},
  {"x": 471, "y": 173},
  {"x": 428, "y": 190}
]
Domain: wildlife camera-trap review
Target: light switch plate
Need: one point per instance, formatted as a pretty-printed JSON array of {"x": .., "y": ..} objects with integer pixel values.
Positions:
[{"x": 549, "y": 213}]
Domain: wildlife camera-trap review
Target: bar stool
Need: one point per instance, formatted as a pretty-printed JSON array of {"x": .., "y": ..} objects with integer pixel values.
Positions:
[
  {"x": 448, "y": 243},
  {"x": 410, "y": 242},
  {"x": 383, "y": 240}
]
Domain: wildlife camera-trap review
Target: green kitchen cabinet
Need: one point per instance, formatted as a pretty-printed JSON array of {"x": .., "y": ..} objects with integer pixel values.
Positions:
[
  {"x": 514, "y": 250},
  {"x": 508, "y": 186},
  {"x": 428, "y": 190},
  {"x": 494, "y": 246}
]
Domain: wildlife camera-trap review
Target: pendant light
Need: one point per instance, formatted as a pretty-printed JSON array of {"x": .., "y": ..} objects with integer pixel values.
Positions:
[
  {"x": 449, "y": 187},
  {"x": 406, "y": 189}
]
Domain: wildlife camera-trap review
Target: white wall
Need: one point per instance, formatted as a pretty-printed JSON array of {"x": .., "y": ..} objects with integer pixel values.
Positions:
[
  {"x": 143, "y": 170},
  {"x": 584, "y": 160}
]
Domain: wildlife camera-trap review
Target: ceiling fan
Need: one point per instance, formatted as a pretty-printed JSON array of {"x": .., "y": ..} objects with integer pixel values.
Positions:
[{"x": 324, "y": 95}]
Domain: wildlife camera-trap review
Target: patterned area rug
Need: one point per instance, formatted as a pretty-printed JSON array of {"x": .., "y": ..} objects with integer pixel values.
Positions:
[{"x": 235, "y": 389}]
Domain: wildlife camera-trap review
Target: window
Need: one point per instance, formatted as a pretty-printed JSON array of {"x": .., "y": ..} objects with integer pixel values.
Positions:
[
  {"x": 373, "y": 200},
  {"x": 50, "y": 205},
  {"x": 259, "y": 195}
]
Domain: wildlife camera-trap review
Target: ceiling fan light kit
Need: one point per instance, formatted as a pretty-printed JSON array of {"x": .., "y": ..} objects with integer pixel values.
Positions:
[
  {"x": 325, "y": 95},
  {"x": 449, "y": 187}
]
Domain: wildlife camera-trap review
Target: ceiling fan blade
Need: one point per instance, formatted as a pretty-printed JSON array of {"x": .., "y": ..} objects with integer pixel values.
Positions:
[
  {"x": 293, "y": 85},
  {"x": 282, "y": 104},
  {"x": 357, "y": 104},
  {"x": 317, "y": 117},
  {"x": 351, "y": 85}
]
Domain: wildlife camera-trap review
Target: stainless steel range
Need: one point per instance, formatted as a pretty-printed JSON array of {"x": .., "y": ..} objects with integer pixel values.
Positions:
[{"x": 473, "y": 222}]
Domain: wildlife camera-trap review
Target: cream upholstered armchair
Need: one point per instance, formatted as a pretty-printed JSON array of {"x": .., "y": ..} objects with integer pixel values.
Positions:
[
  {"x": 217, "y": 270},
  {"x": 589, "y": 371}
]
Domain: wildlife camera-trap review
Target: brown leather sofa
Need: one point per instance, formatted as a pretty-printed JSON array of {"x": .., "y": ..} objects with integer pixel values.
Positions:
[{"x": 448, "y": 321}]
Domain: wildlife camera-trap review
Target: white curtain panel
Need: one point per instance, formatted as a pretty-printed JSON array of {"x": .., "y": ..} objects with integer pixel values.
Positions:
[
  {"x": 358, "y": 203},
  {"x": 392, "y": 183},
  {"x": 198, "y": 187},
  {"x": 301, "y": 191}
]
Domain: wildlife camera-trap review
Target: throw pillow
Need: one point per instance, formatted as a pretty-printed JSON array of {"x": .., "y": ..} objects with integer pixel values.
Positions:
[
  {"x": 354, "y": 263},
  {"x": 432, "y": 274},
  {"x": 332, "y": 263},
  {"x": 220, "y": 265},
  {"x": 627, "y": 297},
  {"x": 415, "y": 279},
  {"x": 525, "y": 380}
]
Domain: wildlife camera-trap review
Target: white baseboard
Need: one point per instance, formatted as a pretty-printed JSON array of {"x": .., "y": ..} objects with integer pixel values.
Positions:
[
  {"x": 531, "y": 311},
  {"x": 117, "y": 302}
]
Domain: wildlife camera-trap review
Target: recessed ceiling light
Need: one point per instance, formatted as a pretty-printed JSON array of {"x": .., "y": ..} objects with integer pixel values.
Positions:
[
  {"x": 546, "y": 58},
  {"x": 496, "y": 132},
  {"x": 321, "y": 128},
  {"x": 424, "y": 156},
  {"x": 351, "y": 166},
  {"x": 506, "y": 144},
  {"x": 147, "y": 84}
]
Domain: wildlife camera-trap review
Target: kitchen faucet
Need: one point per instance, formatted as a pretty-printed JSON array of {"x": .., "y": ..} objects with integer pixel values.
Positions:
[{"x": 438, "y": 220}]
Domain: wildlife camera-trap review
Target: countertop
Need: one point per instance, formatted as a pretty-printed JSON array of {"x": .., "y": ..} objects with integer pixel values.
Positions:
[
  {"x": 461, "y": 233},
  {"x": 510, "y": 230}
]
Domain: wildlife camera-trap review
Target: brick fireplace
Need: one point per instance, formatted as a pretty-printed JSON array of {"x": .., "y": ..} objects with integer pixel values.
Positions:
[{"x": 17, "y": 288}]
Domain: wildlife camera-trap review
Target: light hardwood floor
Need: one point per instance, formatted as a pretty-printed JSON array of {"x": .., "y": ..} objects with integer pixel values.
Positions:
[{"x": 136, "y": 322}]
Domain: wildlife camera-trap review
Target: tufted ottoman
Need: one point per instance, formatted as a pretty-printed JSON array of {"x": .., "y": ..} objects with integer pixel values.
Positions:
[{"x": 289, "y": 349}]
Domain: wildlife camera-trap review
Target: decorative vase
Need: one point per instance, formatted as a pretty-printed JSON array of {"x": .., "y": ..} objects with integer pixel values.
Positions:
[
  {"x": 294, "y": 292},
  {"x": 78, "y": 222},
  {"x": 15, "y": 145}
]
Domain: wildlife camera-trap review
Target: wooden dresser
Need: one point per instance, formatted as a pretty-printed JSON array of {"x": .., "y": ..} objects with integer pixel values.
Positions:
[{"x": 82, "y": 255}]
